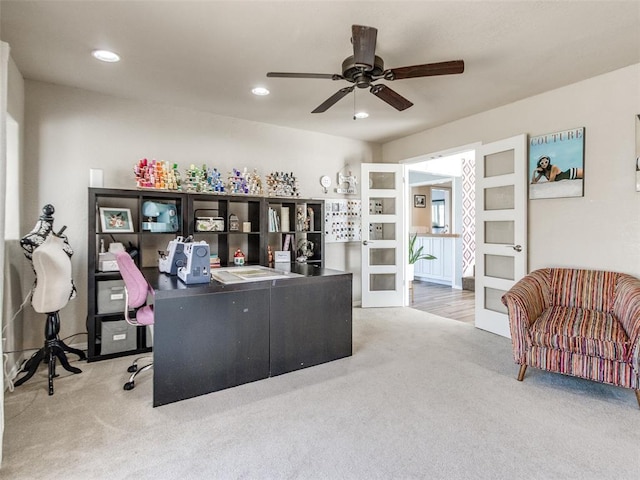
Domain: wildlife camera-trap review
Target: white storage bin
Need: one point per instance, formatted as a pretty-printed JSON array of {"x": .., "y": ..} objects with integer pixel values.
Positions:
[
  {"x": 110, "y": 296},
  {"x": 118, "y": 336}
]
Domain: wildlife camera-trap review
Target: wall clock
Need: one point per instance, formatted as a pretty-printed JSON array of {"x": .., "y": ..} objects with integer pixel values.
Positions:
[{"x": 325, "y": 181}]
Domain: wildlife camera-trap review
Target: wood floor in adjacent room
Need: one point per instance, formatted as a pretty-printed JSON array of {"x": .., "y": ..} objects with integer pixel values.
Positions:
[{"x": 444, "y": 301}]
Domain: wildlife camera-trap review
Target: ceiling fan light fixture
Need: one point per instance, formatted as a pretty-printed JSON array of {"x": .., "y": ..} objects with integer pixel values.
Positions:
[
  {"x": 106, "y": 56},
  {"x": 260, "y": 91},
  {"x": 360, "y": 115},
  {"x": 365, "y": 67}
]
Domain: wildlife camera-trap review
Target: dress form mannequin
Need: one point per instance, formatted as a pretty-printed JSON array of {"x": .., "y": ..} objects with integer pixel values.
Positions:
[
  {"x": 50, "y": 255},
  {"x": 41, "y": 231},
  {"x": 53, "y": 272}
]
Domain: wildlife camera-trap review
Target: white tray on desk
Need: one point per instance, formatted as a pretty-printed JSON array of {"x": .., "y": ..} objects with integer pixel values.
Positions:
[{"x": 230, "y": 275}]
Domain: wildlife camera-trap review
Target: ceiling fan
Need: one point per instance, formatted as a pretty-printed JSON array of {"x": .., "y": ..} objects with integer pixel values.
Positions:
[{"x": 364, "y": 67}]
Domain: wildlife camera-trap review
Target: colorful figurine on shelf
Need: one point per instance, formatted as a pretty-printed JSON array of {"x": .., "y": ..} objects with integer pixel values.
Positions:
[{"x": 238, "y": 258}]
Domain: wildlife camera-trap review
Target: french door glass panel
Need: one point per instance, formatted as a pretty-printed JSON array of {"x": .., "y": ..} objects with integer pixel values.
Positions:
[
  {"x": 382, "y": 180},
  {"x": 499, "y": 266},
  {"x": 499, "y": 232},
  {"x": 382, "y": 256},
  {"x": 382, "y": 282},
  {"x": 499, "y": 198},
  {"x": 382, "y": 206},
  {"x": 492, "y": 300},
  {"x": 500, "y": 163},
  {"x": 382, "y": 231}
]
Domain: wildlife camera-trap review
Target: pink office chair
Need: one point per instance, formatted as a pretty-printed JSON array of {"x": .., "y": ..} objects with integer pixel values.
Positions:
[{"x": 136, "y": 290}]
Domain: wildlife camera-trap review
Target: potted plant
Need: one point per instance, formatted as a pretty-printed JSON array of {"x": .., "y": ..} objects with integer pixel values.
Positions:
[{"x": 416, "y": 254}]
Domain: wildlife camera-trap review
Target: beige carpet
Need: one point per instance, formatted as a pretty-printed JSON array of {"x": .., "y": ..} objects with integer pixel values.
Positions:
[{"x": 422, "y": 397}]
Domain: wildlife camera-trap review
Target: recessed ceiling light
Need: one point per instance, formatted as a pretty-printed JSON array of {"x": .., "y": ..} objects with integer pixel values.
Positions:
[
  {"x": 106, "y": 56},
  {"x": 260, "y": 91},
  {"x": 360, "y": 115}
]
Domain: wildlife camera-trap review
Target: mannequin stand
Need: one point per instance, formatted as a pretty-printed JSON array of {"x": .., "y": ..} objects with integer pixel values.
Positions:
[{"x": 53, "y": 347}]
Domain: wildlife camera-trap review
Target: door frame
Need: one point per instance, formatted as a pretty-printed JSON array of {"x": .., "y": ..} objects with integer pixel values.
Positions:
[{"x": 408, "y": 163}]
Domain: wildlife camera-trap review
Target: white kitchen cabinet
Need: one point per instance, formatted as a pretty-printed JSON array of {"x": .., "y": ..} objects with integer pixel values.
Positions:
[
  {"x": 420, "y": 265},
  {"x": 439, "y": 270}
]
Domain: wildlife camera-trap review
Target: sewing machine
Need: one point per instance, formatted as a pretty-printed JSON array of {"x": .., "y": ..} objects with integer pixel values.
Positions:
[
  {"x": 161, "y": 217},
  {"x": 197, "y": 266},
  {"x": 174, "y": 257}
]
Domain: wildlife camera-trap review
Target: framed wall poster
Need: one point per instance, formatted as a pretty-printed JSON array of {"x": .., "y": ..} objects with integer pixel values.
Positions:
[
  {"x": 420, "y": 201},
  {"x": 556, "y": 164},
  {"x": 115, "y": 220}
]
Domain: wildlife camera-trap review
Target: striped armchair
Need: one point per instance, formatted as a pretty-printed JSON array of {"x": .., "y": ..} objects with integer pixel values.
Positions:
[{"x": 583, "y": 323}]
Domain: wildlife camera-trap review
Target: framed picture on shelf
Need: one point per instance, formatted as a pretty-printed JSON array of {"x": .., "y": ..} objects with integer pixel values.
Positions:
[
  {"x": 420, "y": 201},
  {"x": 115, "y": 220}
]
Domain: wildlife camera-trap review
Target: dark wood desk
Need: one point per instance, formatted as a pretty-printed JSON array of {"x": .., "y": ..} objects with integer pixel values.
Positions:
[{"x": 215, "y": 336}]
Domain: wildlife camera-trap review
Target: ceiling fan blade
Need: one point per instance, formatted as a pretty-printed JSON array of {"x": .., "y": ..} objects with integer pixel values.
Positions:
[
  {"x": 364, "y": 45},
  {"x": 333, "y": 99},
  {"x": 327, "y": 76},
  {"x": 426, "y": 70},
  {"x": 393, "y": 98}
]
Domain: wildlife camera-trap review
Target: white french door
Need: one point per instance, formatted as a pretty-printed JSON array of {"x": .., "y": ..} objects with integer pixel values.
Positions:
[
  {"x": 501, "y": 228},
  {"x": 383, "y": 235}
]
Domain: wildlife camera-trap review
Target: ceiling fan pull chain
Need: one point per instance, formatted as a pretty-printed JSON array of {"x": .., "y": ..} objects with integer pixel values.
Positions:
[{"x": 354, "y": 106}]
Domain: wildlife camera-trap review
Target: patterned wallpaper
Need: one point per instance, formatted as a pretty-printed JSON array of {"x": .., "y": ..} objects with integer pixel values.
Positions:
[{"x": 468, "y": 217}]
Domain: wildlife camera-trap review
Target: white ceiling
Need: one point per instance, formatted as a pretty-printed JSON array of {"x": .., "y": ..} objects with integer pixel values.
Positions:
[{"x": 207, "y": 55}]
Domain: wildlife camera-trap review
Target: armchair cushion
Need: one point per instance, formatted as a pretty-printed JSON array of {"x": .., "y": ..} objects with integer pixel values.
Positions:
[{"x": 576, "y": 330}]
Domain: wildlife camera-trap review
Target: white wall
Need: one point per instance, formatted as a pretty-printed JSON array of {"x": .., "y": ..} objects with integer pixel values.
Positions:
[
  {"x": 70, "y": 131},
  {"x": 15, "y": 265},
  {"x": 600, "y": 230}
]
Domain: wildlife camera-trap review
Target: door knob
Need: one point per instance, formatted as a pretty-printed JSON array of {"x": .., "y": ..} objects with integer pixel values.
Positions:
[{"x": 517, "y": 248}]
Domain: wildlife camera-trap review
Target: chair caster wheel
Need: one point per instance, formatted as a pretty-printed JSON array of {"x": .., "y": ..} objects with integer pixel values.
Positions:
[
  {"x": 129, "y": 386},
  {"x": 132, "y": 368}
]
